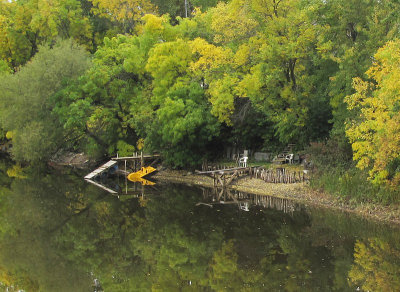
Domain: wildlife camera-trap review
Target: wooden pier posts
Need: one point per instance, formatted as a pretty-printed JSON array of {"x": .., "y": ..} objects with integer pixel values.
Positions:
[
  {"x": 280, "y": 175},
  {"x": 225, "y": 177}
]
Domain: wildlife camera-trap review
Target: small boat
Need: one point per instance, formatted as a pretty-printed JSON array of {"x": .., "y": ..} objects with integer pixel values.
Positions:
[{"x": 144, "y": 171}]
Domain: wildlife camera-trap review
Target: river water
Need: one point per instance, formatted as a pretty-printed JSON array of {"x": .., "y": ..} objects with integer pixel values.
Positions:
[{"x": 59, "y": 233}]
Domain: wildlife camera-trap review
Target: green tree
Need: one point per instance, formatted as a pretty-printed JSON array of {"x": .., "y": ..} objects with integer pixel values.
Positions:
[
  {"x": 183, "y": 126},
  {"x": 349, "y": 34},
  {"x": 176, "y": 8},
  {"x": 95, "y": 107},
  {"x": 110, "y": 104},
  {"x": 27, "y": 100}
]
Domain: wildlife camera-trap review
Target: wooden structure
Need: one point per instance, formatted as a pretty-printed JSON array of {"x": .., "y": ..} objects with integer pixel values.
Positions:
[
  {"x": 98, "y": 171},
  {"x": 101, "y": 169},
  {"x": 224, "y": 177},
  {"x": 280, "y": 175},
  {"x": 138, "y": 160}
]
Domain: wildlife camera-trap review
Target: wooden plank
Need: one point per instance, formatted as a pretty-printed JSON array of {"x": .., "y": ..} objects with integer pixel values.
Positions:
[
  {"x": 100, "y": 169},
  {"x": 135, "y": 157},
  {"x": 101, "y": 186},
  {"x": 225, "y": 170},
  {"x": 234, "y": 175},
  {"x": 220, "y": 179}
]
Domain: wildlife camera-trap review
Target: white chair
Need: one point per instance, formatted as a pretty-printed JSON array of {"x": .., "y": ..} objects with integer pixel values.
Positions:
[
  {"x": 243, "y": 161},
  {"x": 289, "y": 158}
]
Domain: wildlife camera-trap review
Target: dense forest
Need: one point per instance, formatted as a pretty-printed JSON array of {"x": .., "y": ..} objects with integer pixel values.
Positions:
[{"x": 190, "y": 78}]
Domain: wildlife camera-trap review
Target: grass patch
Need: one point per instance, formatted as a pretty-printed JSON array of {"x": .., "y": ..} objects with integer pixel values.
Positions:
[{"x": 352, "y": 185}]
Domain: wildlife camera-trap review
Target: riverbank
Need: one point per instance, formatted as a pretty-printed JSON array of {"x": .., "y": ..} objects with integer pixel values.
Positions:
[{"x": 299, "y": 192}]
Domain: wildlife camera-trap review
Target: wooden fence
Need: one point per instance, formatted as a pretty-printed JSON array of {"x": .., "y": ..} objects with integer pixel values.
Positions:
[
  {"x": 280, "y": 175},
  {"x": 277, "y": 175},
  {"x": 211, "y": 167}
]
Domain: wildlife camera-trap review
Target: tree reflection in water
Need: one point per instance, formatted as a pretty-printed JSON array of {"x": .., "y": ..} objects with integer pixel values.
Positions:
[
  {"x": 376, "y": 266},
  {"x": 58, "y": 233}
]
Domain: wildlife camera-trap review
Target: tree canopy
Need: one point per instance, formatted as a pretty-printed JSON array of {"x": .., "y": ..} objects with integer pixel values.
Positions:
[
  {"x": 26, "y": 100},
  {"x": 253, "y": 74}
]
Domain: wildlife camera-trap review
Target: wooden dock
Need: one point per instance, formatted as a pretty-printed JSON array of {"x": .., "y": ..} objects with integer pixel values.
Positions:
[
  {"x": 89, "y": 178},
  {"x": 136, "y": 159},
  {"x": 224, "y": 170},
  {"x": 224, "y": 177},
  {"x": 101, "y": 169}
]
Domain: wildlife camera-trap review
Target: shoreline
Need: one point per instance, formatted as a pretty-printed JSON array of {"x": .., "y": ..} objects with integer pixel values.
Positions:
[{"x": 299, "y": 192}]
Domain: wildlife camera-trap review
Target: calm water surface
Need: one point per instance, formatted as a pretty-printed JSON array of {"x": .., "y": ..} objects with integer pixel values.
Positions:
[{"x": 59, "y": 233}]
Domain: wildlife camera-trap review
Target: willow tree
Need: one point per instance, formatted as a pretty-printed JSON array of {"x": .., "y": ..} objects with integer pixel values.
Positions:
[
  {"x": 183, "y": 126},
  {"x": 26, "y": 100}
]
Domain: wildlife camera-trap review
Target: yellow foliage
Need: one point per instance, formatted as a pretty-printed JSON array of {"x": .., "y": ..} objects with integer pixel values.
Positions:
[
  {"x": 375, "y": 266},
  {"x": 16, "y": 171},
  {"x": 125, "y": 12},
  {"x": 210, "y": 57},
  {"x": 375, "y": 131},
  {"x": 140, "y": 144},
  {"x": 242, "y": 55},
  {"x": 251, "y": 83},
  {"x": 154, "y": 23},
  {"x": 52, "y": 18},
  {"x": 9, "y": 135},
  {"x": 222, "y": 95},
  {"x": 17, "y": 281},
  {"x": 6, "y": 278},
  {"x": 232, "y": 22}
]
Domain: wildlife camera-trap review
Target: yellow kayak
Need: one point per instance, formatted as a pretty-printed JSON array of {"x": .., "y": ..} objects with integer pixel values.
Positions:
[
  {"x": 134, "y": 176},
  {"x": 143, "y": 181}
]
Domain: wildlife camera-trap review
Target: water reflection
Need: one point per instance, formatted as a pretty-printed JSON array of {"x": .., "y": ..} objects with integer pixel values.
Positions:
[
  {"x": 217, "y": 196},
  {"x": 118, "y": 184},
  {"x": 58, "y": 233},
  {"x": 376, "y": 266}
]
